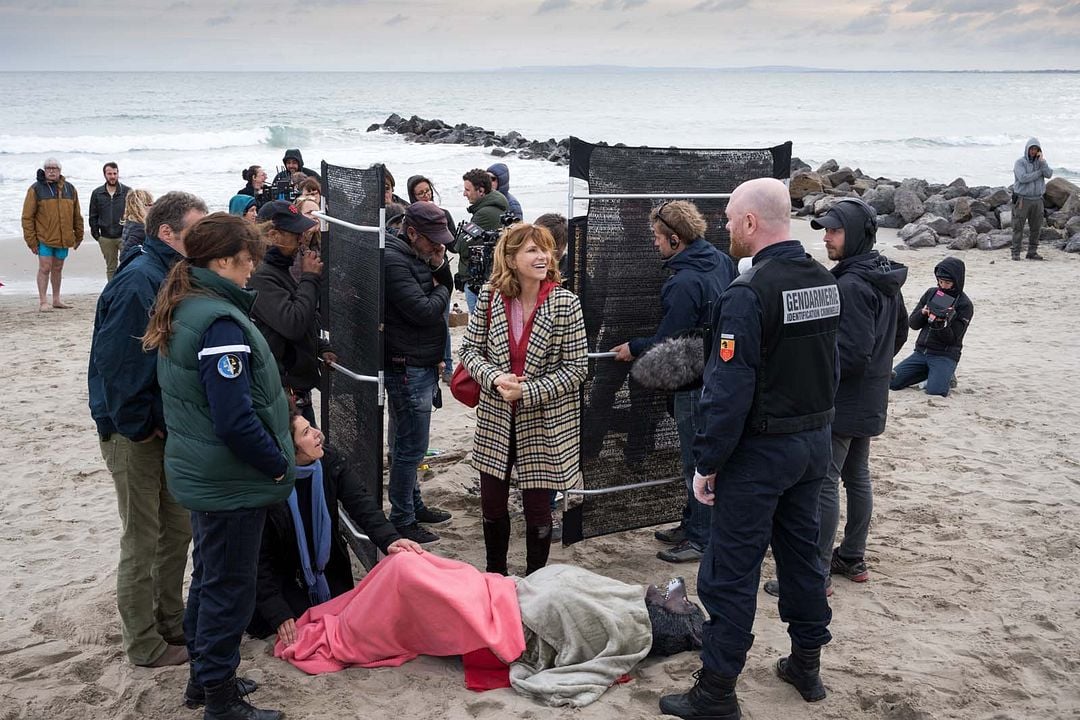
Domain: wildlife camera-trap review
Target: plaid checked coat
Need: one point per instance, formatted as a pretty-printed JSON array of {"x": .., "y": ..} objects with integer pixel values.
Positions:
[{"x": 548, "y": 424}]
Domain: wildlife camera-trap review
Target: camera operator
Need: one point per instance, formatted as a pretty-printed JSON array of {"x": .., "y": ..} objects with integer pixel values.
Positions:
[
  {"x": 486, "y": 208},
  {"x": 256, "y": 186},
  {"x": 283, "y": 186},
  {"x": 942, "y": 318},
  {"x": 418, "y": 281}
]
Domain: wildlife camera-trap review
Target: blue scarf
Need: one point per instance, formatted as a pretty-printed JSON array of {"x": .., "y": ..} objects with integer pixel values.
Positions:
[{"x": 318, "y": 590}]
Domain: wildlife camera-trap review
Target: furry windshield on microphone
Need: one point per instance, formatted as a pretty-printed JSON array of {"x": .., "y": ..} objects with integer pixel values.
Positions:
[{"x": 671, "y": 364}]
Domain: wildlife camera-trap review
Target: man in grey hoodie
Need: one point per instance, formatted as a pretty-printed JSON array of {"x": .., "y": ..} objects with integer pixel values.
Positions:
[{"x": 1031, "y": 172}]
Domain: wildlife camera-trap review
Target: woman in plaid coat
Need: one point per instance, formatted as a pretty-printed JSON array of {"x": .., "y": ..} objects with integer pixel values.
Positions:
[{"x": 525, "y": 346}]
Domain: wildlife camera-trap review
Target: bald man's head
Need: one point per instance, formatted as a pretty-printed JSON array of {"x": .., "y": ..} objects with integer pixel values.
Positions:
[{"x": 759, "y": 214}]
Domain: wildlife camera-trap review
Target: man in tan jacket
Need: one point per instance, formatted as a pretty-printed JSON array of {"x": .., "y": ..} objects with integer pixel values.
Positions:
[{"x": 52, "y": 225}]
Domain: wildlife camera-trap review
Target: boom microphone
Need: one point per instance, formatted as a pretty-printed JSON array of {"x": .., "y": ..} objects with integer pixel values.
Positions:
[{"x": 671, "y": 364}]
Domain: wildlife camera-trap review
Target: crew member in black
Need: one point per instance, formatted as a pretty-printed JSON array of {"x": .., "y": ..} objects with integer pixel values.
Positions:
[
  {"x": 763, "y": 451},
  {"x": 942, "y": 318}
]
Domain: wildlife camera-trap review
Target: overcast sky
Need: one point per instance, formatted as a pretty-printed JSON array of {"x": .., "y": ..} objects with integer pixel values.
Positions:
[{"x": 461, "y": 35}]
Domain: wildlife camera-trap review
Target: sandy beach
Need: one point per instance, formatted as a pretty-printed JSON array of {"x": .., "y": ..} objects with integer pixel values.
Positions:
[{"x": 972, "y": 610}]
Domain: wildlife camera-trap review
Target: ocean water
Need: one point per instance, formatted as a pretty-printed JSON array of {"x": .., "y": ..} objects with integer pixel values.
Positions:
[{"x": 197, "y": 131}]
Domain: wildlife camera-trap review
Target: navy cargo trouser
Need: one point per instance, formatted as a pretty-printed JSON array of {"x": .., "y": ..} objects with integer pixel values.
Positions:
[{"x": 766, "y": 493}]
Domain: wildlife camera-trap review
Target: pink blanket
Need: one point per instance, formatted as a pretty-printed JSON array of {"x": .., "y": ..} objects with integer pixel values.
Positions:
[{"x": 409, "y": 605}]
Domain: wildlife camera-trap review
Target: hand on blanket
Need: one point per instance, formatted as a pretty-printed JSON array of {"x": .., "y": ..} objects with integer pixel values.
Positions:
[
  {"x": 286, "y": 632},
  {"x": 403, "y": 545}
]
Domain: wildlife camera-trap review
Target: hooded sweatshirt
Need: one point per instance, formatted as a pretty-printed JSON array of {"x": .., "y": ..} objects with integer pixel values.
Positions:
[
  {"x": 944, "y": 336},
  {"x": 239, "y": 204},
  {"x": 294, "y": 154},
  {"x": 872, "y": 328},
  {"x": 1031, "y": 174},
  {"x": 500, "y": 171}
]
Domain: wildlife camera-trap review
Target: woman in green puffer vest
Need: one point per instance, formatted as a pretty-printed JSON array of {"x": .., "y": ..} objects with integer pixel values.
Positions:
[{"x": 228, "y": 451}]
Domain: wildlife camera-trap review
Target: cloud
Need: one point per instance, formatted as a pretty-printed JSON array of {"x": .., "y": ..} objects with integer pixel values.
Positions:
[
  {"x": 719, "y": 5},
  {"x": 553, "y": 5},
  {"x": 396, "y": 20},
  {"x": 960, "y": 7},
  {"x": 875, "y": 21},
  {"x": 621, "y": 4},
  {"x": 219, "y": 20},
  {"x": 1069, "y": 10}
]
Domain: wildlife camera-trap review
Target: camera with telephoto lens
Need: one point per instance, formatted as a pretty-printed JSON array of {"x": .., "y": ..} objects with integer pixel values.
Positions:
[
  {"x": 282, "y": 187},
  {"x": 481, "y": 245}
]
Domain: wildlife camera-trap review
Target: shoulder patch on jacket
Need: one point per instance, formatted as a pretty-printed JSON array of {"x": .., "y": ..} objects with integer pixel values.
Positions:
[{"x": 229, "y": 366}]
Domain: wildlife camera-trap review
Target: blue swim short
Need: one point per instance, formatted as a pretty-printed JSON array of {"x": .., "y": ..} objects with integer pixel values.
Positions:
[{"x": 46, "y": 251}]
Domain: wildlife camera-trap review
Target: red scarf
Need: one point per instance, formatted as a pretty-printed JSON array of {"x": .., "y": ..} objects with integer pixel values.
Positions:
[{"x": 519, "y": 349}]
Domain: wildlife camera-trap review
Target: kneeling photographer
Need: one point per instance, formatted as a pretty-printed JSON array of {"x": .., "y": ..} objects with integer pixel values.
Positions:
[{"x": 487, "y": 209}]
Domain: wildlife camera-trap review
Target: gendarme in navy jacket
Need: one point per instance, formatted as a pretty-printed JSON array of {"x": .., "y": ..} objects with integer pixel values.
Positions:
[
  {"x": 415, "y": 323},
  {"x": 873, "y": 328},
  {"x": 122, "y": 379},
  {"x": 689, "y": 297},
  {"x": 944, "y": 338}
]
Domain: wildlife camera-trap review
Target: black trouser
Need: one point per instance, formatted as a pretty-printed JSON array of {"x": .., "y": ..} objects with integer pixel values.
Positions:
[{"x": 221, "y": 600}]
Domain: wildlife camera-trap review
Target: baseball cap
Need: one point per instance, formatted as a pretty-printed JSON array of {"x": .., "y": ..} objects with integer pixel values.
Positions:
[
  {"x": 430, "y": 220},
  {"x": 831, "y": 220},
  {"x": 286, "y": 216}
]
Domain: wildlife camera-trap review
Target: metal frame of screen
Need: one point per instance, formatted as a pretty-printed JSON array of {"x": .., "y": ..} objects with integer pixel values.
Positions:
[
  {"x": 352, "y": 313},
  {"x": 633, "y": 472}
]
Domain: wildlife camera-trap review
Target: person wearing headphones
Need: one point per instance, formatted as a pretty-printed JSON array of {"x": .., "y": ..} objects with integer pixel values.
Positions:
[
  {"x": 873, "y": 328},
  {"x": 700, "y": 274}
]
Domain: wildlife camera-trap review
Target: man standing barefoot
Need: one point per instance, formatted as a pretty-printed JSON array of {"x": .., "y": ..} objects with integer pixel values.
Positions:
[{"x": 52, "y": 225}]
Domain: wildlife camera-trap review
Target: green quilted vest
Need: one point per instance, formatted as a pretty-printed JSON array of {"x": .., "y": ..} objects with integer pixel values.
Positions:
[{"x": 202, "y": 473}]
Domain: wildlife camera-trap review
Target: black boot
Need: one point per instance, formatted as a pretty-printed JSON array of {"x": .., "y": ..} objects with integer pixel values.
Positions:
[
  {"x": 195, "y": 694},
  {"x": 496, "y": 542},
  {"x": 802, "y": 669},
  {"x": 224, "y": 703},
  {"x": 537, "y": 547},
  {"x": 711, "y": 698}
]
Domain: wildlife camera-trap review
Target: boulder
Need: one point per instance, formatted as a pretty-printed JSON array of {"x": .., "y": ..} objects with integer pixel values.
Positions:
[
  {"x": 908, "y": 204},
  {"x": 1058, "y": 191},
  {"x": 916, "y": 236},
  {"x": 930, "y": 220},
  {"x": 1073, "y": 226},
  {"x": 891, "y": 221},
  {"x": 961, "y": 210},
  {"x": 881, "y": 198},
  {"x": 1050, "y": 234},
  {"x": 822, "y": 206},
  {"x": 804, "y": 183},
  {"x": 1005, "y": 218},
  {"x": 916, "y": 185},
  {"x": 843, "y": 175},
  {"x": 798, "y": 165},
  {"x": 1073, "y": 245},
  {"x": 373, "y": 127},
  {"x": 938, "y": 205},
  {"x": 997, "y": 196},
  {"x": 994, "y": 240},
  {"x": 498, "y": 152},
  {"x": 965, "y": 239},
  {"x": 982, "y": 225},
  {"x": 1059, "y": 219},
  {"x": 952, "y": 192},
  {"x": 827, "y": 167},
  {"x": 863, "y": 184}
]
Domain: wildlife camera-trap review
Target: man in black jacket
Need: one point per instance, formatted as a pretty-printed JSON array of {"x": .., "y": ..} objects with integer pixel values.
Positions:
[
  {"x": 294, "y": 163},
  {"x": 872, "y": 330},
  {"x": 418, "y": 282},
  {"x": 942, "y": 318},
  {"x": 106, "y": 213},
  {"x": 287, "y": 311}
]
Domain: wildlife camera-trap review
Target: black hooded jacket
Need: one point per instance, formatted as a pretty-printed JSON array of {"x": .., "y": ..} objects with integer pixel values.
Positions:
[
  {"x": 415, "y": 323},
  {"x": 872, "y": 329},
  {"x": 946, "y": 335},
  {"x": 293, "y": 153},
  {"x": 287, "y": 314}
]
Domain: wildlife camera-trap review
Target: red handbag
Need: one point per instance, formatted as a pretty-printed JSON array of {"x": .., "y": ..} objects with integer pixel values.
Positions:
[{"x": 462, "y": 386}]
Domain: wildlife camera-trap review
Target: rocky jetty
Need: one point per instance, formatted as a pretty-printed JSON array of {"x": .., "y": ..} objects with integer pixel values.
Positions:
[
  {"x": 419, "y": 130},
  {"x": 928, "y": 214}
]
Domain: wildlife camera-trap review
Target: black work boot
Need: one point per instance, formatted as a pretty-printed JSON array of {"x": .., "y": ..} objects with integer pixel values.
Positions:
[
  {"x": 195, "y": 694},
  {"x": 496, "y": 543},
  {"x": 802, "y": 669},
  {"x": 711, "y": 698},
  {"x": 224, "y": 703},
  {"x": 537, "y": 547}
]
